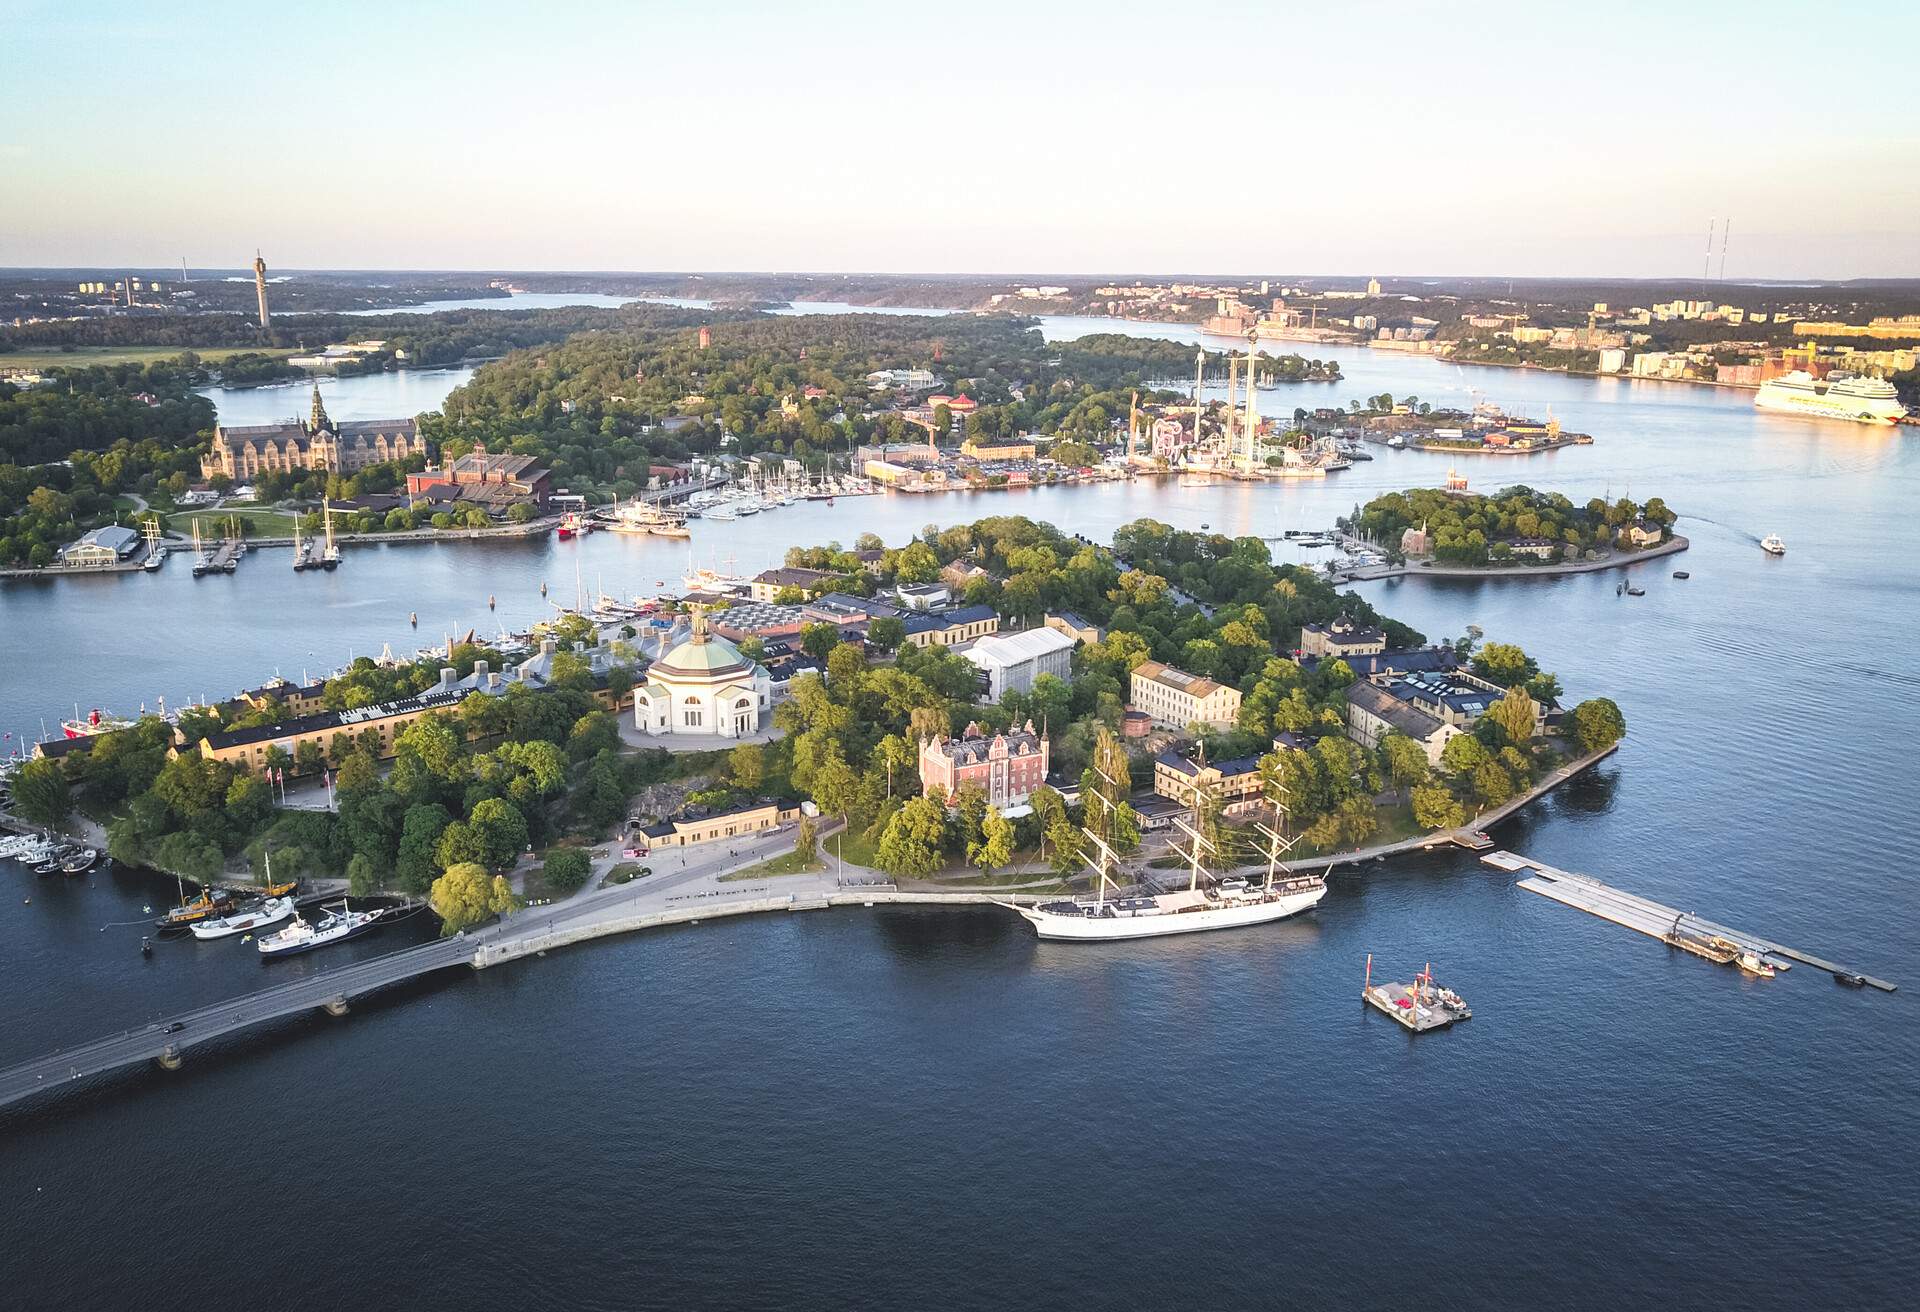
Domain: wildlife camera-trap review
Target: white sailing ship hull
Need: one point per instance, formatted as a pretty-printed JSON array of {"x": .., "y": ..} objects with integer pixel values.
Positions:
[{"x": 1222, "y": 915}]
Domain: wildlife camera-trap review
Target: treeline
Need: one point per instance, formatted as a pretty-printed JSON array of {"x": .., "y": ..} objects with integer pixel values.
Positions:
[{"x": 1472, "y": 530}]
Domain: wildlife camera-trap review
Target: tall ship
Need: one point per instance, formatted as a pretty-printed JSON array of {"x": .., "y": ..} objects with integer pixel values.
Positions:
[
  {"x": 1842, "y": 396},
  {"x": 1233, "y": 902}
]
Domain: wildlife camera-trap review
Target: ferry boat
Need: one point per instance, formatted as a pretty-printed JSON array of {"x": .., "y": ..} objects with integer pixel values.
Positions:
[
  {"x": 305, "y": 936},
  {"x": 1772, "y": 545},
  {"x": 94, "y": 723},
  {"x": 1852, "y": 397},
  {"x": 270, "y": 912}
]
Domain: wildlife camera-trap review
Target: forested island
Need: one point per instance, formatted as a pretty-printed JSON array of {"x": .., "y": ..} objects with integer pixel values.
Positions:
[
  {"x": 473, "y": 785},
  {"x": 1515, "y": 526}
]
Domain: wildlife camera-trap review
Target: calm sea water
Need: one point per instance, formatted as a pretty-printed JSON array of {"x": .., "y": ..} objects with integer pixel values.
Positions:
[{"x": 877, "y": 1108}]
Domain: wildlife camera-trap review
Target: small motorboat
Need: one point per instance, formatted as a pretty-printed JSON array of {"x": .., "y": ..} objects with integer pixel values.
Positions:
[
  {"x": 1681, "y": 574},
  {"x": 1752, "y": 963},
  {"x": 52, "y": 862},
  {"x": 1849, "y": 979},
  {"x": 245, "y": 921},
  {"x": 1634, "y": 590},
  {"x": 1772, "y": 545},
  {"x": 80, "y": 862}
]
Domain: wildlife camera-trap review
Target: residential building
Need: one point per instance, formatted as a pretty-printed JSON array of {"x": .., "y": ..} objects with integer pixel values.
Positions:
[
  {"x": 1177, "y": 698},
  {"x": 1012, "y": 661},
  {"x": 1373, "y": 712},
  {"x": 975, "y": 448},
  {"x": 700, "y": 826},
  {"x": 1341, "y": 637},
  {"x": 1453, "y": 696},
  {"x": 1074, "y": 627},
  {"x": 1642, "y": 534},
  {"x": 375, "y": 726},
  {"x": 1006, "y": 767},
  {"x": 1536, "y": 548},
  {"x": 768, "y": 584},
  {"x": 1188, "y": 779},
  {"x": 923, "y": 596},
  {"x": 950, "y": 628}
]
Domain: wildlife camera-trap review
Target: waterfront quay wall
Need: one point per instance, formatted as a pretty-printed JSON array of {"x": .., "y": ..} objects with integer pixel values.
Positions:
[{"x": 618, "y": 920}]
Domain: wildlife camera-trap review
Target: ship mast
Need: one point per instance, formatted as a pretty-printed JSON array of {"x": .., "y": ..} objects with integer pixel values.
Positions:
[
  {"x": 1253, "y": 407},
  {"x": 1193, "y": 855}
]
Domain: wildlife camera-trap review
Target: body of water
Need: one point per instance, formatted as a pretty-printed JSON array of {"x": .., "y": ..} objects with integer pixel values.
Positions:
[
  {"x": 517, "y": 301},
  {"x": 889, "y": 1107}
]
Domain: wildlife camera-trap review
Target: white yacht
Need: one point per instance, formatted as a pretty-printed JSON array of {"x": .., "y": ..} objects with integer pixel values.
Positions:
[
  {"x": 1772, "y": 545},
  {"x": 271, "y": 912},
  {"x": 1842, "y": 396},
  {"x": 303, "y": 936}
]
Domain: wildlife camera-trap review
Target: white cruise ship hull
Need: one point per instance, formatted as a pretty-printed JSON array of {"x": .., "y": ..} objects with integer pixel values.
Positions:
[
  {"x": 1226, "y": 914},
  {"x": 1816, "y": 405}
]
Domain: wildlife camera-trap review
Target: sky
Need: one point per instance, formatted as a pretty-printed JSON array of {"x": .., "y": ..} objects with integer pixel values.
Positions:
[{"x": 1351, "y": 137}]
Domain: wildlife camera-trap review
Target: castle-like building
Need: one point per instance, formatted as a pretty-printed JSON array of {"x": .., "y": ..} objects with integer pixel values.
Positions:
[{"x": 247, "y": 451}]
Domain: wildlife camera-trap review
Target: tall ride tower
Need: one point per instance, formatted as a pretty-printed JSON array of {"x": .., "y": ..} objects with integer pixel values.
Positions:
[{"x": 260, "y": 288}]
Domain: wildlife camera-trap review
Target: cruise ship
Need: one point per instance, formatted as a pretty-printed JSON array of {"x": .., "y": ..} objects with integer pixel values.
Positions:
[{"x": 1843, "y": 396}]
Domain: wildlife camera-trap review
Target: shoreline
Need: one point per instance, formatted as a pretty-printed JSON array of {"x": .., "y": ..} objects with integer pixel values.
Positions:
[{"x": 1672, "y": 546}]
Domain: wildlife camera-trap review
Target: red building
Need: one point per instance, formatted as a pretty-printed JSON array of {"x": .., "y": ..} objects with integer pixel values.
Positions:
[
  {"x": 1006, "y": 767},
  {"x": 486, "y": 479}
]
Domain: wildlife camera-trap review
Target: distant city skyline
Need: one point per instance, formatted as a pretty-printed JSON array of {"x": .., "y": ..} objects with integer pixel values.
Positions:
[{"x": 1067, "y": 139}]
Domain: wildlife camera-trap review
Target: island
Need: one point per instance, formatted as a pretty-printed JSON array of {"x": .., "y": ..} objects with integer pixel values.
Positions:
[{"x": 1518, "y": 530}]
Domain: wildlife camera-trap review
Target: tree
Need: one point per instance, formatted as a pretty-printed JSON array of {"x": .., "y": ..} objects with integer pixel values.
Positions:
[
  {"x": 995, "y": 845},
  {"x": 1514, "y": 714},
  {"x": 1491, "y": 783},
  {"x": 1404, "y": 759},
  {"x": 1066, "y": 847},
  {"x": 189, "y": 855},
  {"x": 887, "y": 632},
  {"x": 845, "y": 664},
  {"x": 466, "y": 896},
  {"x": 910, "y": 845},
  {"x": 1597, "y": 723},
  {"x": 502, "y": 831},
  {"x": 747, "y": 766},
  {"x": 566, "y": 868},
  {"x": 420, "y": 832},
  {"x": 40, "y": 793},
  {"x": 460, "y": 844},
  {"x": 1434, "y": 807},
  {"x": 819, "y": 640},
  {"x": 1504, "y": 663},
  {"x": 835, "y": 786},
  {"x": 363, "y": 875},
  {"x": 806, "y": 840},
  {"x": 1463, "y": 754}
]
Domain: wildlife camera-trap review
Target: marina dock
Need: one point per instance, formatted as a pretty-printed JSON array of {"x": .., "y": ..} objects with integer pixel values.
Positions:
[{"x": 1676, "y": 928}]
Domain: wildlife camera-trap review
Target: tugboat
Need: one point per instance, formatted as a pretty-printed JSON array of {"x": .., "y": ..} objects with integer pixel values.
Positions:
[
  {"x": 210, "y": 902},
  {"x": 1752, "y": 963},
  {"x": 1772, "y": 545},
  {"x": 270, "y": 912}
]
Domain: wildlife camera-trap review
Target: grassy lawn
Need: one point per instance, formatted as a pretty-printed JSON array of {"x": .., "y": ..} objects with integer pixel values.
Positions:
[
  {"x": 81, "y": 357},
  {"x": 787, "y": 863},
  {"x": 266, "y": 523},
  {"x": 851, "y": 847}
]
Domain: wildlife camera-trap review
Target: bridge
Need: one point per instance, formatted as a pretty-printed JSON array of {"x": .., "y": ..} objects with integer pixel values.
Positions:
[{"x": 686, "y": 889}]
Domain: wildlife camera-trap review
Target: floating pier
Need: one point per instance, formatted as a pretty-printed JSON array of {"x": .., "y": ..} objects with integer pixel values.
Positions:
[
  {"x": 1419, "y": 1006},
  {"x": 1676, "y": 928}
]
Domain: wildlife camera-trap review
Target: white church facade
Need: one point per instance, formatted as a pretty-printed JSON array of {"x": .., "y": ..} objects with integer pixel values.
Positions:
[{"x": 704, "y": 688}]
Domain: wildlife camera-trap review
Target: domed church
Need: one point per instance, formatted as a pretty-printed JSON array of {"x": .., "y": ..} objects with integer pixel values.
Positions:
[{"x": 704, "y": 687}]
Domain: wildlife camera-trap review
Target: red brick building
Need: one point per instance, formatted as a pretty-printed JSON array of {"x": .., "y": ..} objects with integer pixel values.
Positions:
[{"x": 1006, "y": 767}]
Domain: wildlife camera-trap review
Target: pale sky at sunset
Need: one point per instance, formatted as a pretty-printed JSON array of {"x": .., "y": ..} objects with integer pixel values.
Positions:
[{"x": 1528, "y": 139}]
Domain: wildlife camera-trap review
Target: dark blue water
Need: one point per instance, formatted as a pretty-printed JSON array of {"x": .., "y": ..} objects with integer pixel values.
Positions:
[{"x": 881, "y": 1108}]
